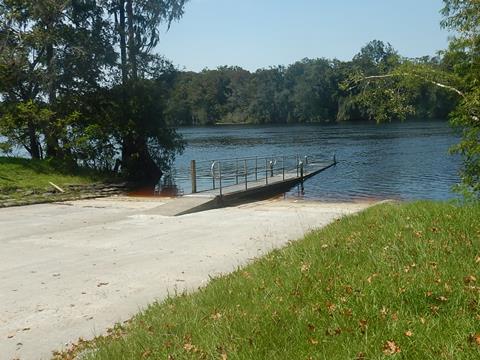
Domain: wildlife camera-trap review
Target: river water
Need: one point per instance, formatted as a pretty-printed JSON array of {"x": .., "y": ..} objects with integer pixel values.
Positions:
[{"x": 403, "y": 161}]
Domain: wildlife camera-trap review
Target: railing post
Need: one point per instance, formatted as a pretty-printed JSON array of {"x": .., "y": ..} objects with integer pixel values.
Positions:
[
  {"x": 246, "y": 174},
  {"x": 220, "y": 176},
  {"x": 334, "y": 158},
  {"x": 193, "y": 170},
  {"x": 283, "y": 167},
  {"x": 297, "y": 164},
  {"x": 256, "y": 168},
  {"x": 236, "y": 171},
  {"x": 301, "y": 170},
  {"x": 213, "y": 173}
]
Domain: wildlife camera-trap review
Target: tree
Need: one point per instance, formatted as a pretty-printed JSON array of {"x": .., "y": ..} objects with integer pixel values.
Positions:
[
  {"x": 137, "y": 26},
  {"x": 389, "y": 94},
  {"x": 313, "y": 92},
  {"x": 60, "y": 56},
  {"x": 463, "y": 17},
  {"x": 52, "y": 51}
]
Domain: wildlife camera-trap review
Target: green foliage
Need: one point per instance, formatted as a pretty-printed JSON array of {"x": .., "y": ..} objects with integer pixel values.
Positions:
[
  {"x": 466, "y": 118},
  {"x": 23, "y": 123},
  {"x": 144, "y": 150},
  {"x": 456, "y": 76},
  {"x": 401, "y": 88},
  {"x": 376, "y": 57},
  {"x": 463, "y": 17},
  {"x": 145, "y": 120},
  {"x": 305, "y": 92},
  {"x": 403, "y": 274},
  {"x": 59, "y": 74},
  {"x": 6, "y": 147},
  {"x": 52, "y": 51}
]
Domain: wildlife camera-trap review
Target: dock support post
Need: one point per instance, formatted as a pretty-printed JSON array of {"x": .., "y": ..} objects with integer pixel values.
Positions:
[
  {"x": 246, "y": 173},
  {"x": 236, "y": 171},
  {"x": 193, "y": 170},
  {"x": 256, "y": 168},
  {"x": 283, "y": 167},
  {"x": 297, "y": 160},
  {"x": 301, "y": 171}
]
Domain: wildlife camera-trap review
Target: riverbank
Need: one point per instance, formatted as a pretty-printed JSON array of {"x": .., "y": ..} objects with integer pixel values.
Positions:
[
  {"x": 26, "y": 182},
  {"x": 73, "y": 269},
  {"x": 397, "y": 279}
]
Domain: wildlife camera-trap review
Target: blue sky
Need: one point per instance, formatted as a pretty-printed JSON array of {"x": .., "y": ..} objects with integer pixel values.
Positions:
[{"x": 260, "y": 33}]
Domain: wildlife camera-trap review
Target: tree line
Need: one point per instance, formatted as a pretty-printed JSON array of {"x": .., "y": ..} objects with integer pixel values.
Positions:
[{"x": 305, "y": 92}]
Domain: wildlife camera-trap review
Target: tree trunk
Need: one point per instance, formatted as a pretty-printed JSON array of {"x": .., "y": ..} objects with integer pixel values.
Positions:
[
  {"x": 132, "y": 51},
  {"x": 137, "y": 164},
  {"x": 51, "y": 137},
  {"x": 127, "y": 146},
  {"x": 123, "y": 42},
  {"x": 33, "y": 140},
  {"x": 140, "y": 166}
]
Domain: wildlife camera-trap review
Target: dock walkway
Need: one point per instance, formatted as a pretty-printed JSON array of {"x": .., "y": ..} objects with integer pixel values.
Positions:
[{"x": 242, "y": 190}]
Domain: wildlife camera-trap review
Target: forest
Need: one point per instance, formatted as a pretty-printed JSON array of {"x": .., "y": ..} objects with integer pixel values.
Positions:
[{"x": 307, "y": 91}]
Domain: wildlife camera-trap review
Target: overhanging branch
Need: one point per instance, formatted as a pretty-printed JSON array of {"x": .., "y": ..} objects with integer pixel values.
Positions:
[
  {"x": 444, "y": 86},
  {"x": 404, "y": 74}
]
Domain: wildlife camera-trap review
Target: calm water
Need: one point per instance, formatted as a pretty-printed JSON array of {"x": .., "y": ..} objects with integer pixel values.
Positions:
[{"x": 399, "y": 160}]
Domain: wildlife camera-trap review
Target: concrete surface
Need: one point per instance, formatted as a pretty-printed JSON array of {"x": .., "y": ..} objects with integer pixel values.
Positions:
[
  {"x": 186, "y": 204},
  {"x": 71, "y": 270}
]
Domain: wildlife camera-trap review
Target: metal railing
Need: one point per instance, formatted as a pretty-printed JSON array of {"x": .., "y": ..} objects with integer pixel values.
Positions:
[{"x": 218, "y": 174}]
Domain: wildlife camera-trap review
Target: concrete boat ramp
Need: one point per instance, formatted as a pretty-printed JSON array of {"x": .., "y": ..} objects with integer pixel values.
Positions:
[{"x": 70, "y": 270}]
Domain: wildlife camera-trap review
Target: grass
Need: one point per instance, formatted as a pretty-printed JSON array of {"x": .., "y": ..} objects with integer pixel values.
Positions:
[
  {"x": 35, "y": 175},
  {"x": 396, "y": 281}
]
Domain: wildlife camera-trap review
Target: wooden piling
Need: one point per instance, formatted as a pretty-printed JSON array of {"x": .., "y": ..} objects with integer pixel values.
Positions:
[
  {"x": 246, "y": 173},
  {"x": 193, "y": 173}
]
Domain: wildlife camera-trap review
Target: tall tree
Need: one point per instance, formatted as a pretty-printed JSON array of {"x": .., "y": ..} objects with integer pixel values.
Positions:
[
  {"x": 52, "y": 51},
  {"x": 137, "y": 23}
]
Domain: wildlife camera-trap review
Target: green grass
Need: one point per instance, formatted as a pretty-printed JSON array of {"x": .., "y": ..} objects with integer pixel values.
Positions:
[
  {"x": 396, "y": 281},
  {"x": 35, "y": 175}
]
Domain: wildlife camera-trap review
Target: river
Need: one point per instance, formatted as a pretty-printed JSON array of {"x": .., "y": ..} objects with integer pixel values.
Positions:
[{"x": 404, "y": 161}]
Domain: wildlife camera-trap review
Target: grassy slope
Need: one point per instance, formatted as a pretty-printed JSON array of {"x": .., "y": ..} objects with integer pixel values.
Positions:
[
  {"x": 399, "y": 281},
  {"x": 25, "y": 174}
]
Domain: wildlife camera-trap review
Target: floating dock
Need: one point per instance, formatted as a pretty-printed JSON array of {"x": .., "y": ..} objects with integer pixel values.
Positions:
[{"x": 234, "y": 181}]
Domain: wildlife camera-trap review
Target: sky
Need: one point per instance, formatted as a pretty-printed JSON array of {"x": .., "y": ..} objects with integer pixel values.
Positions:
[{"x": 256, "y": 34}]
